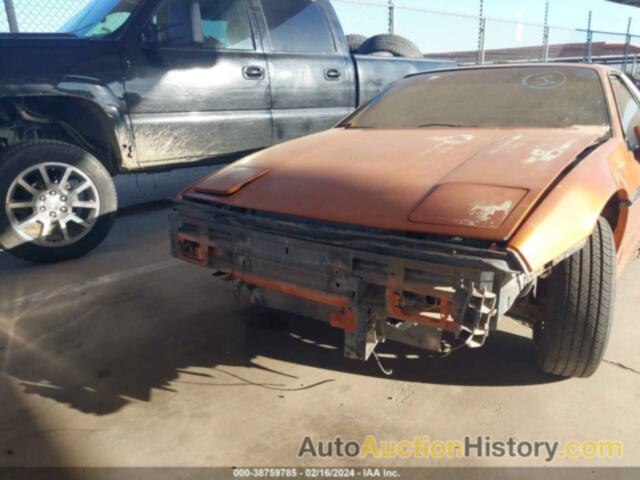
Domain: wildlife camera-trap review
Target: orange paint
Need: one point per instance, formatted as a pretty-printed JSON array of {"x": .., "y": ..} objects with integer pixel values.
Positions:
[
  {"x": 517, "y": 187},
  {"x": 294, "y": 290},
  {"x": 395, "y": 310},
  {"x": 345, "y": 320}
]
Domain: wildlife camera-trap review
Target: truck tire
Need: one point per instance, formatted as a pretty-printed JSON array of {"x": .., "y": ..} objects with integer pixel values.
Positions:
[
  {"x": 355, "y": 41},
  {"x": 58, "y": 201},
  {"x": 395, "y": 44},
  {"x": 572, "y": 339}
]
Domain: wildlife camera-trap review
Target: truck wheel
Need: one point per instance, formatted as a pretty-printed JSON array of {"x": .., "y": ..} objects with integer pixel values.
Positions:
[
  {"x": 58, "y": 201},
  {"x": 572, "y": 339},
  {"x": 355, "y": 41},
  {"x": 395, "y": 44}
]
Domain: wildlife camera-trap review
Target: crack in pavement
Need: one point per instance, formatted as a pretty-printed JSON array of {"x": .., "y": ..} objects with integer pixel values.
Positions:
[{"x": 622, "y": 366}]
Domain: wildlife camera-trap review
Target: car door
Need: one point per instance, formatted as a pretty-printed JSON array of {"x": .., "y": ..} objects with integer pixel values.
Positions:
[
  {"x": 312, "y": 77},
  {"x": 197, "y": 84},
  {"x": 628, "y": 103}
]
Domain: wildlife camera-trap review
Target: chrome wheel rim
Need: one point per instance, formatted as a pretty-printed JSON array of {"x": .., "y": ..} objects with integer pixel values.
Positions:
[{"x": 52, "y": 204}]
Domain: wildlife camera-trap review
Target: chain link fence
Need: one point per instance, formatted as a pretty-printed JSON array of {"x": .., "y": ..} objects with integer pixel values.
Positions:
[
  {"x": 478, "y": 39},
  {"x": 467, "y": 39},
  {"x": 39, "y": 15}
]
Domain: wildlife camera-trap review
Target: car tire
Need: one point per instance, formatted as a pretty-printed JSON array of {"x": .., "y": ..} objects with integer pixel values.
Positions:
[
  {"x": 572, "y": 339},
  {"x": 355, "y": 41},
  {"x": 394, "y": 44},
  {"x": 60, "y": 217}
]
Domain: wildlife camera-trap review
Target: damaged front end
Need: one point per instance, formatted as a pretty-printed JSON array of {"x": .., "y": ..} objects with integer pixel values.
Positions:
[{"x": 376, "y": 286}]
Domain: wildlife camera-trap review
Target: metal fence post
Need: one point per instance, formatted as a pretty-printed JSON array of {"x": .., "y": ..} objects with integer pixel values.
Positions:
[
  {"x": 482, "y": 28},
  {"x": 392, "y": 17},
  {"x": 11, "y": 16},
  {"x": 627, "y": 45},
  {"x": 545, "y": 35},
  {"x": 589, "y": 52}
]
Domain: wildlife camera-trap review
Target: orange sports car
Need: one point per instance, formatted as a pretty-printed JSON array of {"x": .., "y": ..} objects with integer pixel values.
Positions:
[{"x": 452, "y": 199}]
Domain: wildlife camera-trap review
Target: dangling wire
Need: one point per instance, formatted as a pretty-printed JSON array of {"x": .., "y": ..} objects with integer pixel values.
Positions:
[{"x": 389, "y": 372}]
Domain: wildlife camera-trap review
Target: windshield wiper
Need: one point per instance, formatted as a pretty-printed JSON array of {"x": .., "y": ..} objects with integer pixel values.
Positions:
[
  {"x": 427, "y": 125},
  {"x": 350, "y": 126},
  {"x": 447, "y": 125}
]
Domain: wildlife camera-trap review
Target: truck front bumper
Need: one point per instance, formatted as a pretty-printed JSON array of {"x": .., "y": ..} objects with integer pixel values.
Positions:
[{"x": 374, "y": 285}]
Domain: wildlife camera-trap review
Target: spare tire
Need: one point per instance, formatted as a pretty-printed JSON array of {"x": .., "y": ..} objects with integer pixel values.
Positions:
[
  {"x": 355, "y": 41},
  {"x": 394, "y": 44}
]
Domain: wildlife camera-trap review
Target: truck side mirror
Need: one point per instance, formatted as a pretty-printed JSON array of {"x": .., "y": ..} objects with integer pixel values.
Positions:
[
  {"x": 196, "y": 22},
  {"x": 149, "y": 37}
]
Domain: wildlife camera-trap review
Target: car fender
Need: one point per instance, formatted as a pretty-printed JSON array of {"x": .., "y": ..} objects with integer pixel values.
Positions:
[{"x": 567, "y": 215}]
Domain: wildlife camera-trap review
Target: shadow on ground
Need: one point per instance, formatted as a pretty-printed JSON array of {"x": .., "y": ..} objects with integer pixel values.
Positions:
[
  {"x": 506, "y": 359},
  {"x": 96, "y": 350},
  {"x": 98, "y": 360}
]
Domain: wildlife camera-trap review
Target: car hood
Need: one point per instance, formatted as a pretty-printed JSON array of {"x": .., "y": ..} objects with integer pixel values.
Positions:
[{"x": 472, "y": 183}]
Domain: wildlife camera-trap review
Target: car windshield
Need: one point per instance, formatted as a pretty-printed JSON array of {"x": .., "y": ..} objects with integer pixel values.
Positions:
[
  {"x": 100, "y": 18},
  {"x": 554, "y": 97}
]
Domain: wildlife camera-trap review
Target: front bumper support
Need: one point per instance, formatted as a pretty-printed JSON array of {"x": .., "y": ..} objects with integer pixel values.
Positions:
[{"x": 375, "y": 287}]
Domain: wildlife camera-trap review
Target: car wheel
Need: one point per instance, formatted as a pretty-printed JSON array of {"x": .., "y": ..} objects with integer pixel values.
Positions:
[
  {"x": 580, "y": 294},
  {"x": 58, "y": 201},
  {"x": 394, "y": 44}
]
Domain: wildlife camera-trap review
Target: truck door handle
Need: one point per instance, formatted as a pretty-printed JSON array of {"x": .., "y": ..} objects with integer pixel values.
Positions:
[
  {"x": 332, "y": 74},
  {"x": 252, "y": 72}
]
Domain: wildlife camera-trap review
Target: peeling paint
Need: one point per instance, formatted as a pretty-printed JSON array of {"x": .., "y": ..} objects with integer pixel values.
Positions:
[
  {"x": 454, "y": 139},
  {"x": 542, "y": 155},
  {"x": 483, "y": 213},
  {"x": 508, "y": 145}
]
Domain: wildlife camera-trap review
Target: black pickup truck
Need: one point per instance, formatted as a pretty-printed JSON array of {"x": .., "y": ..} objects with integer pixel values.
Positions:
[{"x": 136, "y": 85}]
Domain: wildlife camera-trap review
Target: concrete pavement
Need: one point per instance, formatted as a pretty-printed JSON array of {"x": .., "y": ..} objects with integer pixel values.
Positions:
[{"x": 130, "y": 358}]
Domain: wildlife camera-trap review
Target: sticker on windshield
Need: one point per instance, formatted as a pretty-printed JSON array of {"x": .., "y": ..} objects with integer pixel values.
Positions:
[{"x": 545, "y": 81}]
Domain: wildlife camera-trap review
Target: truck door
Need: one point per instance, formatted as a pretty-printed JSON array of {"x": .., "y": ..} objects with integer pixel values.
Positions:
[
  {"x": 197, "y": 84},
  {"x": 312, "y": 77}
]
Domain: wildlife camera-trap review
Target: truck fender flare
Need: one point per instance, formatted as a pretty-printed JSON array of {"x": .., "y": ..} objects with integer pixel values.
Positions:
[{"x": 105, "y": 101}]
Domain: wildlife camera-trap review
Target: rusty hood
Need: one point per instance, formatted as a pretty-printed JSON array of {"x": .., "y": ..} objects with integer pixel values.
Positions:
[{"x": 468, "y": 182}]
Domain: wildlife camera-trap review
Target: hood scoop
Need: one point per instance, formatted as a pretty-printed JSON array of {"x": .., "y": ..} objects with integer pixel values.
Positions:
[
  {"x": 230, "y": 180},
  {"x": 468, "y": 205},
  {"x": 470, "y": 183}
]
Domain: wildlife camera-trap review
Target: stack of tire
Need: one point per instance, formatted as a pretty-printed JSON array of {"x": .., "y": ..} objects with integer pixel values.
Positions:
[{"x": 383, "y": 45}]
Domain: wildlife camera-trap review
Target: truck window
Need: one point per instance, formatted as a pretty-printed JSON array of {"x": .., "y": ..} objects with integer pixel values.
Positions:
[
  {"x": 298, "y": 26},
  {"x": 100, "y": 18},
  {"x": 628, "y": 108},
  {"x": 224, "y": 24}
]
